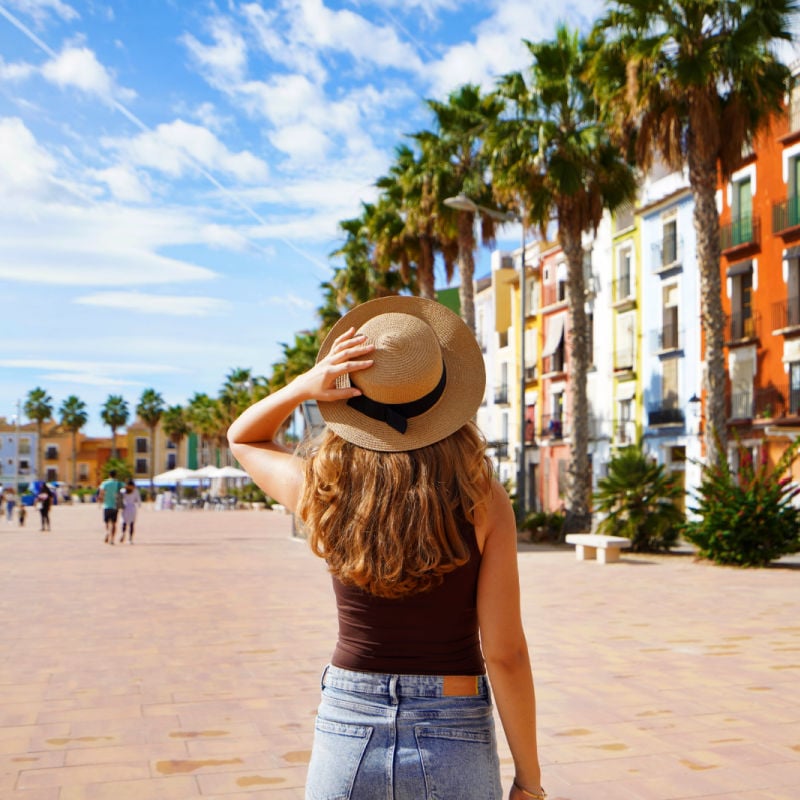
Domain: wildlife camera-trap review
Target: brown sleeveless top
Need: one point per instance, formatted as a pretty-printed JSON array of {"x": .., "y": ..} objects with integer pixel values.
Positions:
[{"x": 428, "y": 633}]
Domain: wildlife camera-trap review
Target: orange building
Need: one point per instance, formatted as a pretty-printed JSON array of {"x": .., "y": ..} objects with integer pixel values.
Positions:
[{"x": 760, "y": 238}]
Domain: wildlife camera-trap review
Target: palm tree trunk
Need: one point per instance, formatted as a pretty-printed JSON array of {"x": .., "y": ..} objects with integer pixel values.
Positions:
[
  {"x": 114, "y": 443},
  {"x": 152, "y": 458},
  {"x": 466, "y": 266},
  {"x": 703, "y": 180},
  {"x": 40, "y": 472},
  {"x": 74, "y": 459},
  {"x": 425, "y": 269},
  {"x": 578, "y": 515}
]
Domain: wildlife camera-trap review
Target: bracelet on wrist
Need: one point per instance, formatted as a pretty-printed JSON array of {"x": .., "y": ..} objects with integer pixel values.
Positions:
[{"x": 540, "y": 795}]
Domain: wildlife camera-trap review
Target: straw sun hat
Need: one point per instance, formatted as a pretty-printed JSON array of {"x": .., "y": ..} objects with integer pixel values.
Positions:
[{"x": 427, "y": 380}]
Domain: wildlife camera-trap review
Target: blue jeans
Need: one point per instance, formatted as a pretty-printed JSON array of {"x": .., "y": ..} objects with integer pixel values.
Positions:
[{"x": 397, "y": 737}]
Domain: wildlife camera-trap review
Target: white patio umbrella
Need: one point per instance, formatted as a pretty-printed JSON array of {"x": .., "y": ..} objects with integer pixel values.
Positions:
[
  {"x": 174, "y": 476},
  {"x": 231, "y": 472},
  {"x": 207, "y": 472}
]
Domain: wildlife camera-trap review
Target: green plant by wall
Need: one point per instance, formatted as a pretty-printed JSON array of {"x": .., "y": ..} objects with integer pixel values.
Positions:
[
  {"x": 747, "y": 519},
  {"x": 638, "y": 500},
  {"x": 123, "y": 468}
]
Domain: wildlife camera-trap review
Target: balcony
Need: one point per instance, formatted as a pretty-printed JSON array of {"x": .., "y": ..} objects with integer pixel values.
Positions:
[
  {"x": 741, "y": 405},
  {"x": 667, "y": 254},
  {"x": 742, "y": 326},
  {"x": 623, "y": 359},
  {"x": 530, "y": 373},
  {"x": 553, "y": 426},
  {"x": 786, "y": 314},
  {"x": 770, "y": 402},
  {"x": 669, "y": 338},
  {"x": 624, "y": 432},
  {"x": 665, "y": 415},
  {"x": 555, "y": 362},
  {"x": 622, "y": 292},
  {"x": 553, "y": 293},
  {"x": 786, "y": 215},
  {"x": 501, "y": 394},
  {"x": 742, "y": 232},
  {"x": 500, "y": 448}
]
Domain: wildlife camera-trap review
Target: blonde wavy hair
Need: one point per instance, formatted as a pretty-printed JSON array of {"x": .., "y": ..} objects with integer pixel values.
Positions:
[{"x": 389, "y": 523}]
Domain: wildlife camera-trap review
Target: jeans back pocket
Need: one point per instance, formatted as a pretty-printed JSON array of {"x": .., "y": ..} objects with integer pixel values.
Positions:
[{"x": 335, "y": 759}]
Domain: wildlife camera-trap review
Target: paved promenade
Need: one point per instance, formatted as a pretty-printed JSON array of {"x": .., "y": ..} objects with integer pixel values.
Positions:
[{"x": 187, "y": 666}]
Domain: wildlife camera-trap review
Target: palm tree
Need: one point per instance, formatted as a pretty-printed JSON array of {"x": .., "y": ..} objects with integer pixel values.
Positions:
[
  {"x": 39, "y": 408},
  {"x": 176, "y": 426},
  {"x": 552, "y": 154},
  {"x": 456, "y": 148},
  {"x": 298, "y": 358},
  {"x": 150, "y": 409},
  {"x": 639, "y": 500},
  {"x": 73, "y": 417},
  {"x": 693, "y": 83},
  {"x": 115, "y": 414},
  {"x": 201, "y": 416}
]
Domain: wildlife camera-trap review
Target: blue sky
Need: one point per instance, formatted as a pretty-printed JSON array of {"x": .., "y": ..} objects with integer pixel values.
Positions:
[{"x": 173, "y": 171}]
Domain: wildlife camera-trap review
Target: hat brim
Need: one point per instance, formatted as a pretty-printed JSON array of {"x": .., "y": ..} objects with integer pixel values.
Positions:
[{"x": 462, "y": 396}]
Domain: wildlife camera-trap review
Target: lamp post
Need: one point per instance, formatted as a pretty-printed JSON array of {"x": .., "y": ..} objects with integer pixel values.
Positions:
[{"x": 464, "y": 203}]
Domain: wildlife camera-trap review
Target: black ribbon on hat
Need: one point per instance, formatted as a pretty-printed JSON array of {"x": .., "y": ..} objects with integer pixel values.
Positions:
[{"x": 396, "y": 415}]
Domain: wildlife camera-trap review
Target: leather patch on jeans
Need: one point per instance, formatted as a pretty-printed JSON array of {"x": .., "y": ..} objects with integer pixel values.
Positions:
[{"x": 460, "y": 685}]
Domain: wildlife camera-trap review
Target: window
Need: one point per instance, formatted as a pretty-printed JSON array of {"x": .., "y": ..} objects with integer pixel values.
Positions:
[
  {"x": 669, "y": 383},
  {"x": 141, "y": 466},
  {"x": 51, "y": 474},
  {"x": 794, "y": 388},
  {"x": 669, "y": 318},
  {"x": 742, "y": 369},
  {"x": 794, "y": 106},
  {"x": 171, "y": 445},
  {"x": 669, "y": 243},
  {"x": 624, "y": 274},
  {"x": 83, "y": 472},
  {"x": 625, "y": 352},
  {"x": 742, "y": 212},
  {"x": 624, "y": 217},
  {"x": 51, "y": 452},
  {"x": 590, "y": 336},
  {"x": 172, "y": 461},
  {"x": 141, "y": 444},
  {"x": 24, "y": 446},
  {"x": 793, "y": 299},
  {"x": 742, "y": 325}
]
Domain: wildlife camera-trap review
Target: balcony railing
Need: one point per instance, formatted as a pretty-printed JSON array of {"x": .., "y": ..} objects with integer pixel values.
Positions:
[
  {"x": 741, "y": 405},
  {"x": 743, "y": 325},
  {"x": 623, "y": 288},
  {"x": 501, "y": 394},
  {"x": 669, "y": 338},
  {"x": 624, "y": 431},
  {"x": 770, "y": 402},
  {"x": 555, "y": 362},
  {"x": 668, "y": 253},
  {"x": 500, "y": 448},
  {"x": 553, "y": 426},
  {"x": 623, "y": 359},
  {"x": 554, "y": 293},
  {"x": 786, "y": 214},
  {"x": 786, "y": 313},
  {"x": 743, "y": 231},
  {"x": 530, "y": 372},
  {"x": 665, "y": 415}
]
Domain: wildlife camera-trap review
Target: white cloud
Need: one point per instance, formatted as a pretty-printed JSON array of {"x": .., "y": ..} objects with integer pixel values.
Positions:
[
  {"x": 301, "y": 142},
  {"x": 40, "y": 10},
  {"x": 25, "y": 167},
  {"x": 225, "y": 60},
  {"x": 78, "y": 67},
  {"x": 15, "y": 72},
  {"x": 123, "y": 183},
  {"x": 71, "y": 365},
  {"x": 142, "y": 303},
  {"x": 175, "y": 148}
]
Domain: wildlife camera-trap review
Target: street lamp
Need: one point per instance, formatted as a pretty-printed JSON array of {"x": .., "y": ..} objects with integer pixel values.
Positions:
[{"x": 464, "y": 203}]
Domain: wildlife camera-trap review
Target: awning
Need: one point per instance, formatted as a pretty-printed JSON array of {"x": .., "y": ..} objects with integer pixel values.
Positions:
[
  {"x": 626, "y": 390},
  {"x": 741, "y": 268},
  {"x": 554, "y": 333}
]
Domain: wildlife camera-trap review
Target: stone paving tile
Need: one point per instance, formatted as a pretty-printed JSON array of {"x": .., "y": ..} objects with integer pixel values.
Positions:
[{"x": 187, "y": 666}]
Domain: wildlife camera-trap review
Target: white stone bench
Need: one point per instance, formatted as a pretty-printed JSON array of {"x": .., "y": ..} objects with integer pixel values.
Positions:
[{"x": 591, "y": 546}]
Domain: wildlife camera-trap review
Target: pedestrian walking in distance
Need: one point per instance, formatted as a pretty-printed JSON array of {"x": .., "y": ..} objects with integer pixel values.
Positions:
[
  {"x": 131, "y": 500},
  {"x": 109, "y": 494},
  {"x": 399, "y": 498}
]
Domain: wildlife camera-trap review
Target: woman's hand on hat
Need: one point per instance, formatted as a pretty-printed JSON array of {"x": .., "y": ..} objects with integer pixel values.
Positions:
[{"x": 345, "y": 356}]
